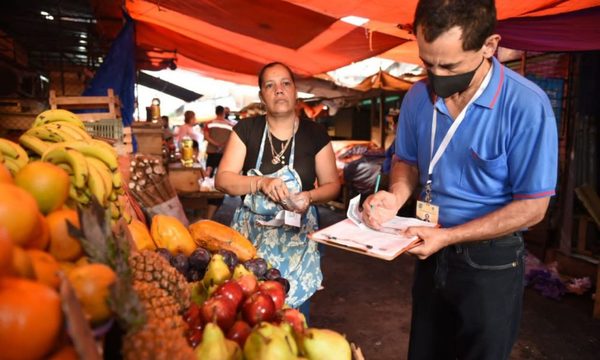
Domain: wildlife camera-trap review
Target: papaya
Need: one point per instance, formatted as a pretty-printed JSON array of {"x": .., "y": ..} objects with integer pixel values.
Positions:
[
  {"x": 169, "y": 233},
  {"x": 214, "y": 236}
]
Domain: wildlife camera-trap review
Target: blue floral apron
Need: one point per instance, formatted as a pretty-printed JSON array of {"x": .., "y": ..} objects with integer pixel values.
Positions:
[{"x": 286, "y": 248}]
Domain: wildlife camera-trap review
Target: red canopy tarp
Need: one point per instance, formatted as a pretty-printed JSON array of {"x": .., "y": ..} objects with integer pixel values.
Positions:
[{"x": 232, "y": 39}]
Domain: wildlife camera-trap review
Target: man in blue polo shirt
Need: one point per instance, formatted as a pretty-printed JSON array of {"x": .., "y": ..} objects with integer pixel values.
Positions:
[{"x": 480, "y": 142}]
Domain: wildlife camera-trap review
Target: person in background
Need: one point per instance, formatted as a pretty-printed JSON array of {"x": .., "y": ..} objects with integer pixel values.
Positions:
[
  {"x": 167, "y": 134},
  {"x": 480, "y": 142},
  {"x": 280, "y": 162},
  {"x": 216, "y": 133},
  {"x": 189, "y": 128}
]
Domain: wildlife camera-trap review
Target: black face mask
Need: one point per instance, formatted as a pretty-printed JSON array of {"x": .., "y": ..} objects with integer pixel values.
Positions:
[{"x": 445, "y": 86}]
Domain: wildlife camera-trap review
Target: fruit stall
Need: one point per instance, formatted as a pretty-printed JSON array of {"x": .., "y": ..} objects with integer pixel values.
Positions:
[{"x": 85, "y": 275}]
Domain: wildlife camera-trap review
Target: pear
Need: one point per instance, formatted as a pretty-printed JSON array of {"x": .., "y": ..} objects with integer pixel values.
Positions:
[
  {"x": 217, "y": 272},
  {"x": 319, "y": 344},
  {"x": 267, "y": 342},
  {"x": 239, "y": 271},
  {"x": 233, "y": 350},
  {"x": 213, "y": 345},
  {"x": 198, "y": 292}
]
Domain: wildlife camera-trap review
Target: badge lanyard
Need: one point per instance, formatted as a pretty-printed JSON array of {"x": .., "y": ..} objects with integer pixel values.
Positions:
[{"x": 446, "y": 140}]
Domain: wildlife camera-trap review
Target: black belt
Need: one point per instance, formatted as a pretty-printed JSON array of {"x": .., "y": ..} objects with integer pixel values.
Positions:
[{"x": 486, "y": 243}]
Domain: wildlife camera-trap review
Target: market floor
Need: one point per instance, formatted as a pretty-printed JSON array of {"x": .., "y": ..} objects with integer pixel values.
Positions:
[{"x": 369, "y": 300}]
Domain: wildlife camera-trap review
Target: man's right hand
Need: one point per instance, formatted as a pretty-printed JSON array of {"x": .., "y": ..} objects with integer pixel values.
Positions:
[{"x": 379, "y": 208}]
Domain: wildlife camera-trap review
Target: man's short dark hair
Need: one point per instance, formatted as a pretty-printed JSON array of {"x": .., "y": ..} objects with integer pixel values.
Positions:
[
  {"x": 476, "y": 18},
  {"x": 219, "y": 110}
]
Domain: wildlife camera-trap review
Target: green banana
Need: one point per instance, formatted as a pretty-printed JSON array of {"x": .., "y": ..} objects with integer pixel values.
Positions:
[
  {"x": 46, "y": 134},
  {"x": 34, "y": 144},
  {"x": 7, "y": 149},
  {"x": 58, "y": 153},
  {"x": 96, "y": 184},
  {"x": 98, "y": 152},
  {"x": 103, "y": 172},
  {"x": 53, "y": 115}
]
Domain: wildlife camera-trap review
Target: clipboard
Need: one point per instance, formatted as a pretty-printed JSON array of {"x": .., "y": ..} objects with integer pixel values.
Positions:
[{"x": 387, "y": 244}]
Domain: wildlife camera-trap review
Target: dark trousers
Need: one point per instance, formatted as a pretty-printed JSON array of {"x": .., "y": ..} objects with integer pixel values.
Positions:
[{"x": 467, "y": 301}]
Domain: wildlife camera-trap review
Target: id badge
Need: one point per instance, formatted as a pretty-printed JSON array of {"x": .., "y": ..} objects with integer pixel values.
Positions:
[
  {"x": 292, "y": 218},
  {"x": 428, "y": 212}
]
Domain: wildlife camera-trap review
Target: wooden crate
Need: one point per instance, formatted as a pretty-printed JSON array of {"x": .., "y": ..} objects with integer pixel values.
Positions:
[
  {"x": 149, "y": 137},
  {"x": 103, "y": 107}
]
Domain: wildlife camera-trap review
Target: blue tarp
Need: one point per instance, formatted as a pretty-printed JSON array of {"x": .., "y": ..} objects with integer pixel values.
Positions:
[{"x": 118, "y": 72}]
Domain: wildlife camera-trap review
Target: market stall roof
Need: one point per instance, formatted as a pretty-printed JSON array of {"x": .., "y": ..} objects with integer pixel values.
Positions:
[
  {"x": 384, "y": 81},
  {"x": 232, "y": 39}
]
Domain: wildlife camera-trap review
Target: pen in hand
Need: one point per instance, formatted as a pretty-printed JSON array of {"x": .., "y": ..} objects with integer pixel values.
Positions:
[{"x": 376, "y": 185}]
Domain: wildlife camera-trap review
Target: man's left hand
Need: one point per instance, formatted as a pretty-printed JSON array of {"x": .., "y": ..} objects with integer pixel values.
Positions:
[{"x": 434, "y": 239}]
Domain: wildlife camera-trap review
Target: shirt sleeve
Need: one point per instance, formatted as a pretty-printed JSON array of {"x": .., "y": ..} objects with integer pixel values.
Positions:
[
  {"x": 406, "y": 132},
  {"x": 533, "y": 151}
]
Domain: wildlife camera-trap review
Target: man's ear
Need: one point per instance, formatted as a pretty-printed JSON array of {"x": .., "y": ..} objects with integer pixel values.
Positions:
[
  {"x": 261, "y": 97},
  {"x": 491, "y": 45}
]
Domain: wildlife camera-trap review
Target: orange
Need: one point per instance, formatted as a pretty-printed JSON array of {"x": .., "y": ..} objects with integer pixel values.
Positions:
[
  {"x": 62, "y": 245},
  {"x": 92, "y": 286},
  {"x": 45, "y": 267},
  {"x": 30, "y": 319},
  {"x": 140, "y": 235},
  {"x": 48, "y": 183},
  {"x": 41, "y": 238},
  {"x": 65, "y": 353},
  {"x": 18, "y": 213},
  {"x": 5, "y": 175},
  {"x": 6, "y": 254},
  {"x": 22, "y": 266}
]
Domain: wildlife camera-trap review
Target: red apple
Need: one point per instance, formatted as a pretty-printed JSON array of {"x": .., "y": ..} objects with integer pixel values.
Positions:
[
  {"x": 194, "y": 337},
  {"x": 275, "y": 290},
  {"x": 239, "y": 332},
  {"x": 295, "y": 318},
  {"x": 232, "y": 291},
  {"x": 192, "y": 313},
  {"x": 219, "y": 309},
  {"x": 248, "y": 283},
  {"x": 258, "y": 307}
]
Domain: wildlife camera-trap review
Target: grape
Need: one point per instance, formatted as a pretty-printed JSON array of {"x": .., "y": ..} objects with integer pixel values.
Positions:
[
  {"x": 165, "y": 254},
  {"x": 272, "y": 274},
  {"x": 258, "y": 266},
  {"x": 229, "y": 257},
  {"x": 180, "y": 262},
  {"x": 194, "y": 275},
  {"x": 199, "y": 259},
  {"x": 285, "y": 283}
]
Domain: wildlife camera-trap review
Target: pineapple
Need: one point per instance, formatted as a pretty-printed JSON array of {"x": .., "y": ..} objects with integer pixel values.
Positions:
[
  {"x": 149, "y": 295},
  {"x": 149, "y": 267}
]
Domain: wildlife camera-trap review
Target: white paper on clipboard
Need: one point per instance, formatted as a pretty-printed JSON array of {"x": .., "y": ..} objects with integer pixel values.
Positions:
[{"x": 386, "y": 243}]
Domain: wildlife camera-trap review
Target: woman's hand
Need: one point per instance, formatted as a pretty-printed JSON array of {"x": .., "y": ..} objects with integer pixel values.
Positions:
[
  {"x": 298, "y": 202},
  {"x": 274, "y": 188}
]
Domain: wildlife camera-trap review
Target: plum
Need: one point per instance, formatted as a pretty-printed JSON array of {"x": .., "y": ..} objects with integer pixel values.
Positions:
[
  {"x": 257, "y": 265},
  {"x": 199, "y": 259},
  {"x": 229, "y": 257}
]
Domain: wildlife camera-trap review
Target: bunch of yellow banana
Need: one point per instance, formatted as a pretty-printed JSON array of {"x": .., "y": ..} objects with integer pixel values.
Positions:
[
  {"x": 93, "y": 168},
  {"x": 13, "y": 156},
  {"x": 59, "y": 136}
]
